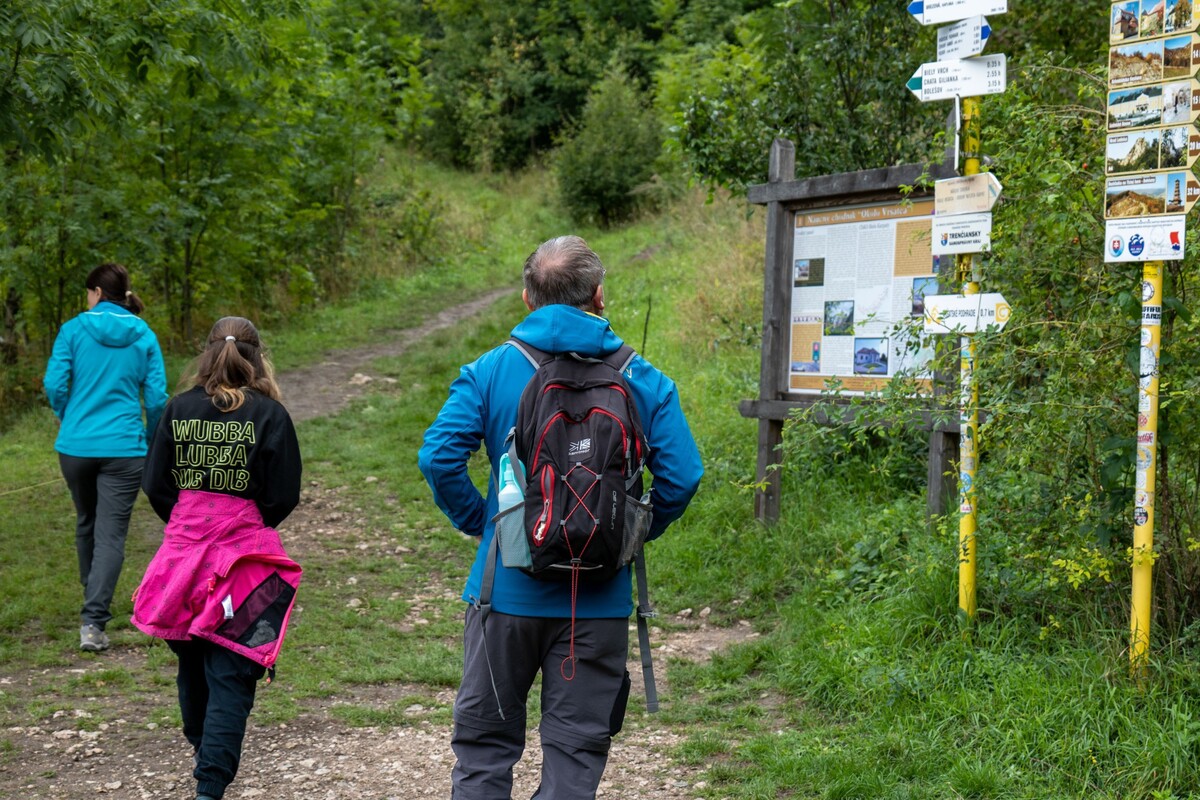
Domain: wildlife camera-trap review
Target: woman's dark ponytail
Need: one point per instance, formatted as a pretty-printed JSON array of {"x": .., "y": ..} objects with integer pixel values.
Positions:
[{"x": 112, "y": 280}]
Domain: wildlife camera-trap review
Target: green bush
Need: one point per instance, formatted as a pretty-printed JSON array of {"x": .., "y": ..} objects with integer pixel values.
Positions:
[{"x": 602, "y": 171}]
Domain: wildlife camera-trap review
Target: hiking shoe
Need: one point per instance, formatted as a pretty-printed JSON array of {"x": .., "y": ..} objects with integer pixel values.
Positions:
[{"x": 92, "y": 639}]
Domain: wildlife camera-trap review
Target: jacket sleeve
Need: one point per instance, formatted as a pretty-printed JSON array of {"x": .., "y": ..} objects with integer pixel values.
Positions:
[
  {"x": 674, "y": 461},
  {"x": 154, "y": 387},
  {"x": 281, "y": 482},
  {"x": 158, "y": 481},
  {"x": 449, "y": 442},
  {"x": 57, "y": 381}
]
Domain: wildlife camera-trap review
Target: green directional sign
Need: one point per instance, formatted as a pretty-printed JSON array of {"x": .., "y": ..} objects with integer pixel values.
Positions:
[
  {"x": 1155, "y": 61},
  {"x": 1174, "y": 102},
  {"x": 1132, "y": 20},
  {"x": 1150, "y": 195}
]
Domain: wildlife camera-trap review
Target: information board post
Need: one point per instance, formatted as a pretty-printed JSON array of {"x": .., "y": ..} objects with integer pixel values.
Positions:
[
  {"x": 969, "y": 393},
  {"x": 1147, "y": 459},
  {"x": 776, "y": 332}
]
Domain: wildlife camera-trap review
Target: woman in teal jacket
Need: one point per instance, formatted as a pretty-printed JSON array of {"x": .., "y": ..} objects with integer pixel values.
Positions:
[{"x": 105, "y": 369}]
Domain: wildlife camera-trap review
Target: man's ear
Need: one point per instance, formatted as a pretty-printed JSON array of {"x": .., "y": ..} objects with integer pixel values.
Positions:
[
  {"x": 598, "y": 299},
  {"x": 525, "y": 297}
]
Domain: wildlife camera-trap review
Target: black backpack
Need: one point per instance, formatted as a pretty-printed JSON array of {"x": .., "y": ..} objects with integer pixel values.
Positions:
[
  {"x": 581, "y": 450},
  {"x": 579, "y": 437}
]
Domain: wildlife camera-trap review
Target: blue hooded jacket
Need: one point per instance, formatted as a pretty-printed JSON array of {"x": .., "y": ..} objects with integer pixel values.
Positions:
[
  {"x": 482, "y": 407},
  {"x": 105, "y": 366}
]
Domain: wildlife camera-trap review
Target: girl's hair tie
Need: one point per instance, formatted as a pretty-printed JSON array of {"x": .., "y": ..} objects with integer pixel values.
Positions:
[{"x": 230, "y": 339}]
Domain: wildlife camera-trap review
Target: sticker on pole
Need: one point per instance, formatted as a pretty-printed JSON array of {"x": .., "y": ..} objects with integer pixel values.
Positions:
[
  {"x": 961, "y": 234},
  {"x": 967, "y": 77},
  {"x": 965, "y": 313},
  {"x": 935, "y": 12},
  {"x": 1145, "y": 239}
]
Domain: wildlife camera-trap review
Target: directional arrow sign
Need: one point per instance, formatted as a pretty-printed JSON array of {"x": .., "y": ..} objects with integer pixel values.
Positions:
[
  {"x": 1152, "y": 150},
  {"x": 963, "y": 39},
  {"x": 962, "y": 233},
  {"x": 1128, "y": 23},
  {"x": 934, "y": 12},
  {"x": 1154, "y": 61},
  {"x": 968, "y": 77},
  {"x": 1152, "y": 195},
  {"x": 970, "y": 194},
  {"x": 1171, "y": 103},
  {"x": 970, "y": 313}
]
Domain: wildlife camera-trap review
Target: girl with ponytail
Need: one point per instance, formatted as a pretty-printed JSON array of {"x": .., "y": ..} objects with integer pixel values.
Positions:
[{"x": 223, "y": 471}]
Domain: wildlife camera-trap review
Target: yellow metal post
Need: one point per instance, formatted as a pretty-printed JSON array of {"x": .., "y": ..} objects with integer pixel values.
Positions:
[
  {"x": 1147, "y": 457},
  {"x": 968, "y": 393}
]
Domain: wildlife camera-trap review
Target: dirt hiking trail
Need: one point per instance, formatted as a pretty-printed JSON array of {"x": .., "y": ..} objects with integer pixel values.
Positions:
[{"x": 70, "y": 756}]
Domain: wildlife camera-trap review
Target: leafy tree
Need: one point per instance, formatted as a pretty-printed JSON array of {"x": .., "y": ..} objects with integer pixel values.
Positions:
[{"x": 611, "y": 155}]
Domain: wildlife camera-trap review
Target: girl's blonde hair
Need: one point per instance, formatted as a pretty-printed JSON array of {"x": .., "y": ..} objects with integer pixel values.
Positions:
[{"x": 233, "y": 361}]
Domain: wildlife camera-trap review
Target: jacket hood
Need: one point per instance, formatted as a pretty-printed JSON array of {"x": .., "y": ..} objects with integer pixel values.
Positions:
[
  {"x": 111, "y": 325},
  {"x": 561, "y": 329}
]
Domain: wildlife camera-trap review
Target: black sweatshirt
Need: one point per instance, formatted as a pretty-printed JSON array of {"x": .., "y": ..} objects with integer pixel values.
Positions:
[{"x": 251, "y": 452}]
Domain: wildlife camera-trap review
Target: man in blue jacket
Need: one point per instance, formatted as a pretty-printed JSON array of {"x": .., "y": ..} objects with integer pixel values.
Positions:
[{"x": 530, "y": 626}]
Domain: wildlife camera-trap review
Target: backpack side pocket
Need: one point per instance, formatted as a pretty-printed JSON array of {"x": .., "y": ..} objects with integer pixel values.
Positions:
[
  {"x": 510, "y": 533},
  {"x": 638, "y": 514}
]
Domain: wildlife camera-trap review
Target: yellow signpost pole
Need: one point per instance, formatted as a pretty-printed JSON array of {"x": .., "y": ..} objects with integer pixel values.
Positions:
[
  {"x": 1147, "y": 457},
  {"x": 968, "y": 393}
]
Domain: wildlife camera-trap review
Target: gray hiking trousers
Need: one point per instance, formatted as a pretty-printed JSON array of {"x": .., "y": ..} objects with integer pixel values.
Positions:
[
  {"x": 104, "y": 490},
  {"x": 581, "y": 712}
]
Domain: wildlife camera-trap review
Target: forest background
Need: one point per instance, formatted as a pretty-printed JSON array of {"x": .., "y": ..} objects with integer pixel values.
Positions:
[{"x": 230, "y": 151}]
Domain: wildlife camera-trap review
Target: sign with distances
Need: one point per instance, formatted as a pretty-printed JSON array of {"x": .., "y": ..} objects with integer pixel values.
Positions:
[
  {"x": 1153, "y": 195},
  {"x": 965, "y": 313},
  {"x": 963, "y": 39},
  {"x": 967, "y": 77},
  {"x": 1152, "y": 150},
  {"x": 934, "y": 12},
  {"x": 1175, "y": 102},
  {"x": 1153, "y": 61}
]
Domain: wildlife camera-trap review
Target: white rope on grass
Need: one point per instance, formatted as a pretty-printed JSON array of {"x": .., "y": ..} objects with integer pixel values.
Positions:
[{"x": 31, "y": 486}]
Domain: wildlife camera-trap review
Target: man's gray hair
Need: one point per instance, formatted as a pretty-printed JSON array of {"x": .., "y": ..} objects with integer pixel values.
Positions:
[{"x": 563, "y": 271}]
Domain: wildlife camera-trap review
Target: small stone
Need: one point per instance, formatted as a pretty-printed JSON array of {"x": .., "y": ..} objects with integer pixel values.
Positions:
[
  {"x": 113, "y": 786},
  {"x": 372, "y": 479},
  {"x": 354, "y": 602},
  {"x": 359, "y": 379},
  {"x": 687, "y": 612},
  {"x": 705, "y": 612}
]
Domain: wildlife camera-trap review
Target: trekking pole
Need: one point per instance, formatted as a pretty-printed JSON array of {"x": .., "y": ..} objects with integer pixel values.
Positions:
[{"x": 646, "y": 324}]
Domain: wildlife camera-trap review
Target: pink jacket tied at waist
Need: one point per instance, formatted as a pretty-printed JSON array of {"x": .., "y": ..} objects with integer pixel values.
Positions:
[{"x": 220, "y": 575}]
